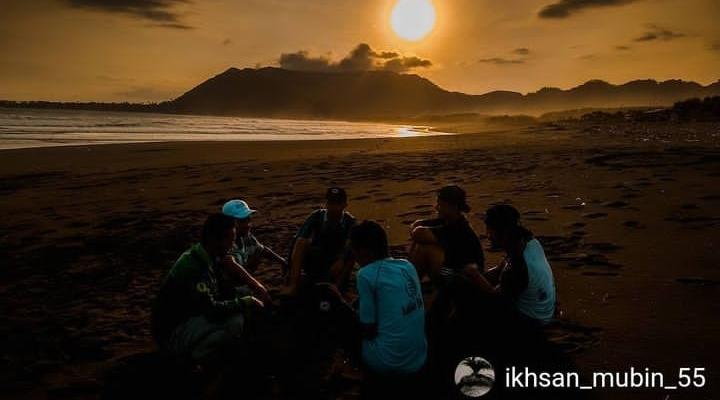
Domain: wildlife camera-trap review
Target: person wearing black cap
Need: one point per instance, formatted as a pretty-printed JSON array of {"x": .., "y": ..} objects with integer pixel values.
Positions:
[
  {"x": 321, "y": 249},
  {"x": 449, "y": 251},
  {"x": 447, "y": 245}
]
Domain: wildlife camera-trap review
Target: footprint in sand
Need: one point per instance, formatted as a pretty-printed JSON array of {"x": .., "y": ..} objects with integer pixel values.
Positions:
[
  {"x": 534, "y": 212},
  {"x": 710, "y": 197},
  {"x": 616, "y": 204},
  {"x": 77, "y": 224},
  {"x": 571, "y": 337},
  {"x": 595, "y": 215},
  {"x": 633, "y": 224},
  {"x": 599, "y": 273},
  {"x": 576, "y": 225},
  {"x": 412, "y": 213},
  {"x": 296, "y": 201},
  {"x": 695, "y": 222},
  {"x": 604, "y": 246},
  {"x": 411, "y": 194},
  {"x": 697, "y": 281},
  {"x": 536, "y": 218},
  {"x": 576, "y": 260}
]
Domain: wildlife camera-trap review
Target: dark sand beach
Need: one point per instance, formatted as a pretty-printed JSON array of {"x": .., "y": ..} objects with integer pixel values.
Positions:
[{"x": 628, "y": 214}]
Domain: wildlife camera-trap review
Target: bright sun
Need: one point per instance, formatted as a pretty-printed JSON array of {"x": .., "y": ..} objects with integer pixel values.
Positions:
[{"x": 413, "y": 19}]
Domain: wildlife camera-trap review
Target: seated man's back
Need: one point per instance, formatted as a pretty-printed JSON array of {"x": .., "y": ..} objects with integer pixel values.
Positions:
[{"x": 391, "y": 298}]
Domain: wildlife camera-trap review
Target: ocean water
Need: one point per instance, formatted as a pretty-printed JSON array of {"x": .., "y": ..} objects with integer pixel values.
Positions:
[{"x": 21, "y": 128}]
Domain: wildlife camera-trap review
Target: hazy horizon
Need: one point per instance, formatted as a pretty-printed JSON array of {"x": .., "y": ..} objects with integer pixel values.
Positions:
[
  {"x": 410, "y": 73},
  {"x": 129, "y": 50}
]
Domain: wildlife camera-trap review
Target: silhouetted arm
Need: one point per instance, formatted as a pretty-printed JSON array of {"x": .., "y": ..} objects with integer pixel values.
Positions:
[
  {"x": 473, "y": 274},
  {"x": 236, "y": 270},
  {"x": 298, "y": 254},
  {"x": 272, "y": 255},
  {"x": 423, "y": 235},
  {"x": 493, "y": 274}
]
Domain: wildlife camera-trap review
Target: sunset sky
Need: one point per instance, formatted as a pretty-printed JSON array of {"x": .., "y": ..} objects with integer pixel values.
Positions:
[{"x": 150, "y": 50}]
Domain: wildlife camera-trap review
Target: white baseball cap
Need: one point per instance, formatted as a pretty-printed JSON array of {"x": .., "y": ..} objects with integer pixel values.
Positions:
[{"x": 237, "y": 209}]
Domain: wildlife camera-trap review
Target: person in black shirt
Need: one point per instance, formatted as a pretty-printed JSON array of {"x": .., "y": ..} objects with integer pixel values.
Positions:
[
  {"x": 446, "y": 246},
  {"x": 449, "y": 251}
]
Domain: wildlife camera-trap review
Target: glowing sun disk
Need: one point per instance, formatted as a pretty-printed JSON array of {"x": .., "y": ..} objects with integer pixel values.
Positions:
[{"x": 413, "y": 19}]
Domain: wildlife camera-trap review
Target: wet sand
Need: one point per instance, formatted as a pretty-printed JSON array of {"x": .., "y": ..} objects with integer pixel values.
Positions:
[{"x": 628, "y": 214}]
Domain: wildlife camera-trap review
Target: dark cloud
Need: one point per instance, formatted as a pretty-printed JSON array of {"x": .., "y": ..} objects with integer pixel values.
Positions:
[
  {"x": 403, "y": 64},
  {"x": 622, "y": 48},
  {"x": 387, "y": 54},
  {"x": 501, "y": 61},
  {"x": 566, "y": 8},
  {"x": 227, "y": 42},
  {"x": 655, "y": 32},
  {"x": 302, "y": 61},
  {"x": 715, "y": 46},
  {"x": 522, "y": 52},
  {"x": 161, "y": 12},
  {"x": 361, "y": 58},
  {"x": 173, "y": 26}
]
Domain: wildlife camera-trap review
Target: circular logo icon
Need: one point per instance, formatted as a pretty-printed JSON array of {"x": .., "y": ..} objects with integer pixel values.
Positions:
[
  {"x": 474, "y": 376},
  {"x": 324, "y": 306}
]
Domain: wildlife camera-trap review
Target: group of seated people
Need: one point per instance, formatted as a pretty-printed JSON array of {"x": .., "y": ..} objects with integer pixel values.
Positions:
[{"x": 211, "y": 293}]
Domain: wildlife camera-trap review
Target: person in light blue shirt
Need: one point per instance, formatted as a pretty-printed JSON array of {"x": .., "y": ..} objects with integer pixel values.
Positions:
[{"x": 391, "y": 309}]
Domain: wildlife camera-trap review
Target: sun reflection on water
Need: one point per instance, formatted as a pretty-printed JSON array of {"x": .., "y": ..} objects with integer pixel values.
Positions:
[{"x": 412, "y": 131}]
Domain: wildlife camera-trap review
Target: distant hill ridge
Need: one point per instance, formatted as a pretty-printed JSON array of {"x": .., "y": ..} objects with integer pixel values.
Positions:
[{"x": 276, "y": 92}]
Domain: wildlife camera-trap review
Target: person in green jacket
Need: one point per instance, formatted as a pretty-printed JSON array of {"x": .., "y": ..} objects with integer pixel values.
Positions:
[{"x": 198, "y": 316}]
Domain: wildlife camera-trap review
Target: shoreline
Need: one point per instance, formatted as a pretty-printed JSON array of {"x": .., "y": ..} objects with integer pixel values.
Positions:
[
  {"x": 143, "y": 127},
  {"x": 259, "y": 138},
  {"x": 402, "y": 133}
]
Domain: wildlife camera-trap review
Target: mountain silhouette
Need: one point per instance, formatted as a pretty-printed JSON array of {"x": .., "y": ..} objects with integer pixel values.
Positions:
[
  {"x": 275, "y": 92},
  {"x": 366, "y": 95}
]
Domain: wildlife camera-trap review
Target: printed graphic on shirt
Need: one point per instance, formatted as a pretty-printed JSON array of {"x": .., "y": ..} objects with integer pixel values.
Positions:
[{"x": 415, "y": 300}]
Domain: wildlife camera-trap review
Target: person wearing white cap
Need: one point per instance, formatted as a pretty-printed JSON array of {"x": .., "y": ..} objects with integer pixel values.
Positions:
[{"x": 248, "y": 251}]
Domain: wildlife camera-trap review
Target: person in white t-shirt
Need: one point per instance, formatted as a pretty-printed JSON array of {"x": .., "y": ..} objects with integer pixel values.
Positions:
[{"x": 524, "y": 277}]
